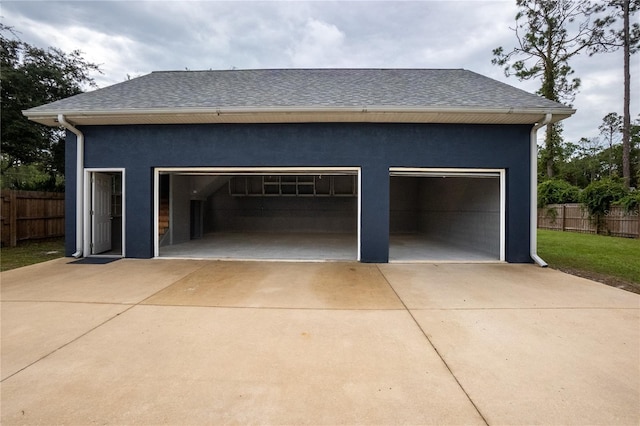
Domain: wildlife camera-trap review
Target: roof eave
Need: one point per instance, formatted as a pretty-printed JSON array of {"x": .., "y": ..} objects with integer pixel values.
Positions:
[{"x": 383, "y": 114}]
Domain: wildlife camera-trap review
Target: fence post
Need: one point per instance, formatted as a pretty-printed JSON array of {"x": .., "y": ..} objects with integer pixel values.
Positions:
[
  {"x": 13, "y": 219},
  {"x": 564, "y": 214}
]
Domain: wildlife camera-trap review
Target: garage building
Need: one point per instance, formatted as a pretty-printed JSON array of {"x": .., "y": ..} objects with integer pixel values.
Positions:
[{"x": 374, "y": 165}]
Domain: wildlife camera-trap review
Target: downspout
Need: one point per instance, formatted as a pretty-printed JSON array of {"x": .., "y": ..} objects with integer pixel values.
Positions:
[
  {"x": 79, "y": 184},
  {"x": 533, "y": 220}
]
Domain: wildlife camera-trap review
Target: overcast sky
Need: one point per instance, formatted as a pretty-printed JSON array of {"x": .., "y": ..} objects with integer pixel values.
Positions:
[{"x": 132, "y": 38}]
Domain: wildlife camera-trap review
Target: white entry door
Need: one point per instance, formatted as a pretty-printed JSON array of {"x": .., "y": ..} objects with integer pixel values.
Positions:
[{"x": 101, "y": 213}]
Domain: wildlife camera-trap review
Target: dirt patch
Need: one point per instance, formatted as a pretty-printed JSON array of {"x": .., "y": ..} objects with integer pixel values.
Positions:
[{"x": 604, "y": 279}]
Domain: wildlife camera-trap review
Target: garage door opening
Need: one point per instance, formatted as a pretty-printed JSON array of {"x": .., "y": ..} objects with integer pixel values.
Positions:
[
  {"x": 262, "y": 214},
  {"x": 446, "y": 215}
]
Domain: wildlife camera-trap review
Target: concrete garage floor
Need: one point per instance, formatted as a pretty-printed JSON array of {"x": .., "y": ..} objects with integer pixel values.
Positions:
[
  {"x": 267, "y": 246},
  {"x": 210, "y": 342},
  {"x": 417, "y": 247},
  {"x": 317, "y": 246}
]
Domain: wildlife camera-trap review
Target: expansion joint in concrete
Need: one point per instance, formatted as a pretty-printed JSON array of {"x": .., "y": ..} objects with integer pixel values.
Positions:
[
  {"x": 434, "y": 348},
  {"x": 68, "y": 343}
]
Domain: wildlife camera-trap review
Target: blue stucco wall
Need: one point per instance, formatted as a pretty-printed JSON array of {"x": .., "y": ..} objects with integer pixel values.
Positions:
[{"x": 372, "y": 146}]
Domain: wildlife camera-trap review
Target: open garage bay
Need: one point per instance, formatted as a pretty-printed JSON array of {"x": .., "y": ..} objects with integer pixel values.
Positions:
[{"x": 309, "y": 215}]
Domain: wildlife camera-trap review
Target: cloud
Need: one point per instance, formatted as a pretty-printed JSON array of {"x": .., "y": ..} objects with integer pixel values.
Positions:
[
  {"x": 320, "y": 45},
  {"x": 116, "y": 55},
  {"x": 137, "y": 37}
]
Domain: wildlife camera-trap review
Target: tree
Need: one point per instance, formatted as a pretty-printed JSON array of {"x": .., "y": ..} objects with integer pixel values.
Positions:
[
  {"x": 549, "y": 33},
  {"x": 635, "y": 153},
  {"x": 610, "y": 127},
  {"x": 575, "y": 166},
  {"x": 629, "y": 39},
  {"x": 32, "y": 76}
]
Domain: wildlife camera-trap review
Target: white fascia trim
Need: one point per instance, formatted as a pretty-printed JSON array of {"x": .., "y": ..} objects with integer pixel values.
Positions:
[{"x": 291, "y": 112}]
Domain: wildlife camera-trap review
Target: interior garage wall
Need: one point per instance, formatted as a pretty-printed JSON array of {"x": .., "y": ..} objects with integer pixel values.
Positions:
[
  {"x": 226, "y": 213},
  {"x": 374, "y": 147},
  {"x": 180, "y": 207},
  {"x": 464, "y": 211}
]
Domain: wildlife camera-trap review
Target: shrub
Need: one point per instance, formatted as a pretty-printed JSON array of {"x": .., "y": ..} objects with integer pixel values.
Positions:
[
  {"x": 630, "y": 202},
  {"x": 557, "y": 191},
  {"x": 598, "y": 196}
]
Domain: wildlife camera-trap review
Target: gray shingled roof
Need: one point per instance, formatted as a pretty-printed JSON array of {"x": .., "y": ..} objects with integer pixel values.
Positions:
[{"x": 308, "y": 89}]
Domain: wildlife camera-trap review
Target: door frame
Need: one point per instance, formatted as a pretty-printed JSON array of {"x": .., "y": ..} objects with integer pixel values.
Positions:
[
  {"x": 461, "y": 172},
  {"x": 88, "y": 194},
  {"x": 245, "y": 170}
]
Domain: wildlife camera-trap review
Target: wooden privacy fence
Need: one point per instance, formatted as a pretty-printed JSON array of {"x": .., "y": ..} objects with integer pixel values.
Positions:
[
  {"x": 28, "y": 215},
  {"x": 617, "y": 221}
]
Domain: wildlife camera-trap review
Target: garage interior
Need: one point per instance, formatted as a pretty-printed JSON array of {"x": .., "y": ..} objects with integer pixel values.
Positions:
[
  {"x": 283, "y": 216},
  {"x": 434, "y": 216},
  {"x": 437, "y": 216}
]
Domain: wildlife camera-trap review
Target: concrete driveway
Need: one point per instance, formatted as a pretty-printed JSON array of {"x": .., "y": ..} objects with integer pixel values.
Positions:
[{"x": 207, "y": 342}]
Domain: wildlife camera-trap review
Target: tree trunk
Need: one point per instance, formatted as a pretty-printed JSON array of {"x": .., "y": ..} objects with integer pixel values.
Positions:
[{"x": 626, "y": 116}]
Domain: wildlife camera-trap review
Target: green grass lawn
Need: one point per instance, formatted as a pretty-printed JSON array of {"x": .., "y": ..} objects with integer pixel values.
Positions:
[
  {"x": 30, "y": 252},
  {"x": 612, "y": 256}
]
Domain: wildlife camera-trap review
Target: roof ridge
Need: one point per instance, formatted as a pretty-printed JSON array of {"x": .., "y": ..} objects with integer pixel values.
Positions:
[{"x": 310, "y": 69}]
